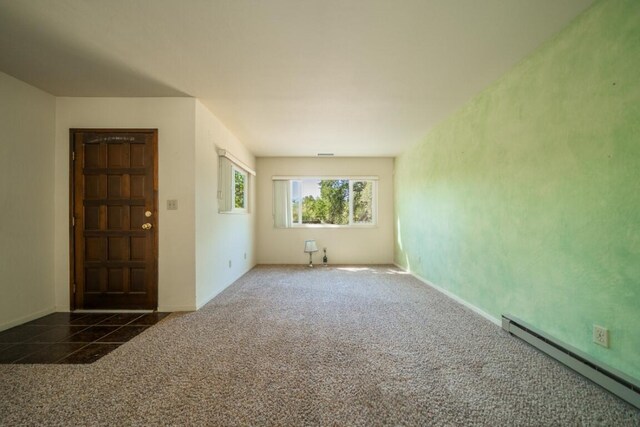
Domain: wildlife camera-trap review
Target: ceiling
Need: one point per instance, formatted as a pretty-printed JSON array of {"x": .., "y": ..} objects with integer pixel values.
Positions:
[{"x": 287, "y": 77}]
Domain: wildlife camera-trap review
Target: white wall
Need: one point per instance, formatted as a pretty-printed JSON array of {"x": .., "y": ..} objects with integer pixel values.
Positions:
[
  {"x": 27, "y": 123},
  {"x": 220, "y": 238},
  {"x": 344, "y": 245},
  {"x": 175, "y": 120}
]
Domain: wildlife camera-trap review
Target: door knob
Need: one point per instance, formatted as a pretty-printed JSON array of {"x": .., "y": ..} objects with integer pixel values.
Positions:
[{"x": 147, "y": 226}]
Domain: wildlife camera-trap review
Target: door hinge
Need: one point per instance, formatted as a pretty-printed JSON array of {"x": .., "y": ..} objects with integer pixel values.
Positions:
[
  {"x": 73, "y": 155},
  {"x": 74, "y": 288},
  {"x": 73, "y": 221}
]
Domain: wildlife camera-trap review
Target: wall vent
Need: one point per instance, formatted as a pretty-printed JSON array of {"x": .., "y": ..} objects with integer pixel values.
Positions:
[{"x": 618, "y": 383}]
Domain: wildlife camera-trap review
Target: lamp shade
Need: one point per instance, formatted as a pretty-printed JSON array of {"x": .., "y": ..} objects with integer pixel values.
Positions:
[{"x": 310, "y": 246}]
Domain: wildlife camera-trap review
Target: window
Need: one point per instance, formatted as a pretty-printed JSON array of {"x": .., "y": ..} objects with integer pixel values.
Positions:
[
  {"x": 239, "y": 190},
  {"x": 325, "y": 202},
  {"x": 233, "y": 185}
]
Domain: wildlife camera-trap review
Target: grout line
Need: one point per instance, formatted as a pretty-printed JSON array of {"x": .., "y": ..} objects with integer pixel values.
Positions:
[
  {"x": 104, "y": 336},
  {"x": 67, "y": 355},
  {"x": 15, "y": 362}
]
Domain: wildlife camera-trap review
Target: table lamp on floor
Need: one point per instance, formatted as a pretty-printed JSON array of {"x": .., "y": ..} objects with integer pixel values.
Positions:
[{"x": 310, "y": 247}]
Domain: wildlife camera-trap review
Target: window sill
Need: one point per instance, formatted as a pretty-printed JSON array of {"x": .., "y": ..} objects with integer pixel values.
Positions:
[
  {"x": 330, "y": 226},
  {"x": 243, "y": 212}
]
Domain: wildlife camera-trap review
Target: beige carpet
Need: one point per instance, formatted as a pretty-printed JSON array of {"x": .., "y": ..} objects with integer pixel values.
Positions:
[{"x": 328, "y": 346}]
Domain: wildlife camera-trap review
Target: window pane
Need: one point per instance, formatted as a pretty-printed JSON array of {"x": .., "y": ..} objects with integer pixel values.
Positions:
[
  {"x": 239, "y": 182},
  {"x": 325, "y": 201},
  {"x": 311, "y": 203},
  {"x": 363, "y": 202},
  {"x": 296, "y": 196}
]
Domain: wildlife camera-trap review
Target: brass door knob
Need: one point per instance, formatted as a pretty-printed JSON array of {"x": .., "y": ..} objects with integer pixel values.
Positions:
[{"x": 147, "y": 226}]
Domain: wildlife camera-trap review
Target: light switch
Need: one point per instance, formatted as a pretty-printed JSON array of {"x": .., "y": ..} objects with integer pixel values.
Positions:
[{"x": 172, "y": 205}]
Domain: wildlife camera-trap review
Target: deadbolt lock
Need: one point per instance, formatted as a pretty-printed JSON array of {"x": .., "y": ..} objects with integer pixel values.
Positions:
[
  {"x": 147, "y": 226},
  {"x": 148, "y": 214}
]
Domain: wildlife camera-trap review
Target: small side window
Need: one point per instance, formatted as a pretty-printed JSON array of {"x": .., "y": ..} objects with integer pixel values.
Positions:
[
  {"x": 240, "y": 182},
  {"x": 233, "y": 188}
]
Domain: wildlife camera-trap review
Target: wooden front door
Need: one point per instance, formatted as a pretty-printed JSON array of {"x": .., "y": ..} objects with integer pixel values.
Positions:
[{"x": 114, "y": 208}]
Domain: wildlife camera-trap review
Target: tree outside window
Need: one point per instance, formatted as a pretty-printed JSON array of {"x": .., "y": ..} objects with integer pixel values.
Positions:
[{"x": 239, "y": 186}]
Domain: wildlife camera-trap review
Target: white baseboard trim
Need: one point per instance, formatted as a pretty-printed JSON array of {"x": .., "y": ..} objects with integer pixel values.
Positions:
[
  {"x": 27, "y": 318},
  {"x": 112, "y": 311},
  {"x": 216, "y": 292},
  {"x": 453, "y": 296},
  {"x": 174, "y": 308},
  {"x": 210, "y": 297}
]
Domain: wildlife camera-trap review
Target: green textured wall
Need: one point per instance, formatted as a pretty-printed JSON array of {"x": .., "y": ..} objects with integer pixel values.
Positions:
[{"x": 527, "y": 201}]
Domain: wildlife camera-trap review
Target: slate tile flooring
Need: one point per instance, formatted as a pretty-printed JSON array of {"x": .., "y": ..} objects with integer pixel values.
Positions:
[{"x": 72, "y": 337}]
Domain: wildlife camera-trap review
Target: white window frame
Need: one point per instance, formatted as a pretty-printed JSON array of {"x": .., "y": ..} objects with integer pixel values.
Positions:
[{"x": 351, "y": 224}]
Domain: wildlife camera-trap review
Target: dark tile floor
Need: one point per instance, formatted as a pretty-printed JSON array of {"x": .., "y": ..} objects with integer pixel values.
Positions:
[{"x": 72, "y": 337}]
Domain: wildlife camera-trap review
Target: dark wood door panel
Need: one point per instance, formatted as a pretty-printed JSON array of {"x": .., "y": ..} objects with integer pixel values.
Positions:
[{"x": 114, "y": 193}]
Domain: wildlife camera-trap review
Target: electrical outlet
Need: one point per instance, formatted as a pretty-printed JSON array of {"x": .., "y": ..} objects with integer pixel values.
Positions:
[
  {"x": 229, "y": 263},
  {"x": 245, "y": 255},
  {"x": 601, "y": 336},
  {"x": 172, "y": 205}
]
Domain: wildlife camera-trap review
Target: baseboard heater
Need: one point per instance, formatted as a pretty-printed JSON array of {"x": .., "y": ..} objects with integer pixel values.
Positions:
[{"x": 616, "y": 382}]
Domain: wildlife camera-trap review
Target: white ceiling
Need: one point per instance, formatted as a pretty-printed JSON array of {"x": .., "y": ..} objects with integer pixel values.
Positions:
[{"x": 288, "y": 77}]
